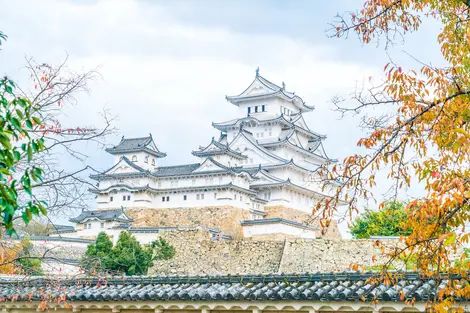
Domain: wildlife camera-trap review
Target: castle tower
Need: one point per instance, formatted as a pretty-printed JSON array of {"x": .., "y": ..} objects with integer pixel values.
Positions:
[{"x": 258, "y": 178}]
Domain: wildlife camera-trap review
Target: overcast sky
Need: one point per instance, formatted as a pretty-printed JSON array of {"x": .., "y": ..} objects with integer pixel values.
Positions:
[{"x": 166, "y": 66}]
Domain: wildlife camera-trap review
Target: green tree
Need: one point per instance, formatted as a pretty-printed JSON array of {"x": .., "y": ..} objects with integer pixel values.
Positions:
[
  {"x": 18, "y": 117},
  {"x": 129, "y": 256},
  {"x": 162, "y": 250},
  {"x": 98, "y": 256},
  {"x": 389, "y": 221}
]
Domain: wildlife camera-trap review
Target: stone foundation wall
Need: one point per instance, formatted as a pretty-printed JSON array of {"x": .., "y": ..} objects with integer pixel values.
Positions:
[
  {"x": 225, "y": 218},
  {"x": 332, "y": 232},
  {"x": 197, "y": 254}
]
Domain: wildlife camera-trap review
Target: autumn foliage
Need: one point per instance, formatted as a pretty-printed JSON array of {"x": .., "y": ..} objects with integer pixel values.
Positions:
[{"x": 426, "y": 138}]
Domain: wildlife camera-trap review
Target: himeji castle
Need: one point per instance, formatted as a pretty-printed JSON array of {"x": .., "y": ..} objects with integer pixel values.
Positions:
[{"x": 257, "y": 179}]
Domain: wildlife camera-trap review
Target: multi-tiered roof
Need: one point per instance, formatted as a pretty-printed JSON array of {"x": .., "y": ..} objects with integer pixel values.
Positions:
[{"x": 266, "y": 157}]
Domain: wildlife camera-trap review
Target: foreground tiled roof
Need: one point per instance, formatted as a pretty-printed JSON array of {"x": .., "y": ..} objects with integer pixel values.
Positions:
[{"x": 312, "y": 287}]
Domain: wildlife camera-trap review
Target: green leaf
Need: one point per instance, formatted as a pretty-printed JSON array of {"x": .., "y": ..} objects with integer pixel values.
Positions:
[
  {"x": 22, "y": 102},
  {"x": 29, "y": 151},
  {"x": 27, "y": 216},
  {"x": 43, "y": 209},
  {"x": 5, "y": 143},
  {"x": 9, "y": 89},
  {"x": 37, "y": 120},
  {"x": 15, "y": 122},
  {"x": 19, "y": 113},
  {"x": 17, "y": 155},
  {"x": 35, "y": 147},
  {"x": 29, "y": 124}
]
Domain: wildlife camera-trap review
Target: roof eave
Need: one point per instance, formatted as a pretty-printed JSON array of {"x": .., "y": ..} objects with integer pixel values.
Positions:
[{"x": 157, "y": 154}]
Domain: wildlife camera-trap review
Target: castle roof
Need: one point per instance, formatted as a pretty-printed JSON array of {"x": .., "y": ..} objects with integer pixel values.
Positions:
[
  {"x": 288, "y": 184},
  {"x": 262, "y": 88},
  {"x": 275, "y": 288},
  {"x": 175, "y": 189},
  {"x": 128, "y": 145},
  {"x": 217, "y": 148},
  {"x": 102, "y": 215},
  {"x": 287, "y": 163},
  {"x": 310, "y": 151},
  {"x": 295, "y": 121},
  {"x": 176, "y": 170}
]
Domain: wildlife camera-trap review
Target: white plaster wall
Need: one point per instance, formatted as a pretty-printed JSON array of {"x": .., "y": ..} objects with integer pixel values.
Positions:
[
  {"x": 145, "y": 238},
  {"x": 140, "y": 159},
  {"x": 271, "y": 106},
  {"x": 278, "y": 228},
  {"x": 303, "y": 139}
]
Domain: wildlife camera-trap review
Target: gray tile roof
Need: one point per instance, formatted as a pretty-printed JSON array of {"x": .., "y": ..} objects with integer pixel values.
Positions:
[
  {"x": 175, "y": 189},
  {"x": 134, "y": 145},
  {"x": 103, "y": 215},
  {"x": 184, "y": 169},
  {"x": 349, "y": 286}
]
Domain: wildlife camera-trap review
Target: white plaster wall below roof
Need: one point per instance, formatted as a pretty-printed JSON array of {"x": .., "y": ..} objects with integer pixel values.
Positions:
[
  {"x": 275, "y": 126},
  {"x": 194, "y": 199},
  {"x": 277, "y": 228},
  {"x": 145, "y": 237},
  {"x": 140, "y": 159}
]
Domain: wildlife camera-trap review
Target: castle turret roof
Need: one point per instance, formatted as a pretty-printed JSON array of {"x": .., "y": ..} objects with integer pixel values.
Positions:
[
  {"x": 270, "y": 89},
  {"x": 102, "y": 215},
  {"x": 127, "y": 145}
]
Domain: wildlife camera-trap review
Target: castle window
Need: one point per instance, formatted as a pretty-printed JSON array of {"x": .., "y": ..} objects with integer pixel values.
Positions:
[
  {"x": 163, "y": 199},
  {"x": 146, "y": 159},
  {"x": 235, "y": 197},
  {"x": 215, "y": 195},
  {"x": 256, "y": 109},
  {"x": 263, "y": 108},
  {"x": 185, "y": 197},
  {"x": 123, "y": 198},
  {"x": 241, "y": 198},
  {"x": 167, "y": 198},
  {"x": 128, "y": 198},
  {"x": 102, "y": 225},
  {"x": 134, "y": 158},
  {"x": 197, "y": 197},
  {"x": 153, "y": 162},
  {"x": 249, "y": 110},
  {"x": 202, "y": 196},
  {"x": 111, "y": 199}
]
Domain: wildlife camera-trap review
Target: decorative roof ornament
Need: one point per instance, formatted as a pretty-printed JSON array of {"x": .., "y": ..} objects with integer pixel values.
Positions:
[
  {"x": 283, "y": 86},
  {"x": 257, "y": 71}
]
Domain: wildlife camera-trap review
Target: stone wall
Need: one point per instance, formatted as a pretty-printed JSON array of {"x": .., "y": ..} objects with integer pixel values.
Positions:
[
  {"x": 332, "y": 232},
  {"x": 197, "y": 254},
  {"x": 225, "y": 218}
]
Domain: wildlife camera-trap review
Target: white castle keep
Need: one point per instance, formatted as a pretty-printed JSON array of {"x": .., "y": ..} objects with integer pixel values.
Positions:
[{"x": 263, "y": 166}]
